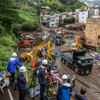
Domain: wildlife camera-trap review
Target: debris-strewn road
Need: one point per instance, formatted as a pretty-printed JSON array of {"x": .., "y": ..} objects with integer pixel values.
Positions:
[{"x": 90, "y": 81}]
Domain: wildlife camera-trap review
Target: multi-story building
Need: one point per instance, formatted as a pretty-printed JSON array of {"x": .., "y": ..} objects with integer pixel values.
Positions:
[
  {"x": 92, "y": 32},
  {"x": 69, "y": 15},
  {"x": 89, "y": 4},
  {"x": 77, "y": 10},
  {"x": 54, "y": 20},
  {"x": 93, "y": 12},
  {"x": 83, "y": 16}
]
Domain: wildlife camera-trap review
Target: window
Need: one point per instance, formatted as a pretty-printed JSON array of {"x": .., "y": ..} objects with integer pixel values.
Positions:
[
  {"x": 56, "y": 24},
  {"x": 95, "y": 22},
  {"x": 52, "y": 24},
  {"x": 87, "y": 62},
  {"x": 57, "y": 16},
  {"x": 52, "y": 20},
  {"x": 88, "y": 22},
  {"x": 99, "y": 37},
  {"x": 91, "y": 29},
  {"x": 98, "y": 43},
  {"x": 89, "y": 42}
]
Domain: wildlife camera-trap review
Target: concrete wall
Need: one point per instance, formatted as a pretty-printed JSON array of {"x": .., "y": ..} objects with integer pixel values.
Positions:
[
  {"x": 83, "y": 16},
  {"x": 54, "y": 20},
  {"x": 92, "y": 32}
]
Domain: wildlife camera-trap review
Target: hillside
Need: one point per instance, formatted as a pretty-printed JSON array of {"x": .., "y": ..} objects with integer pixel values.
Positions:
[{"x": 63, "y": 5}]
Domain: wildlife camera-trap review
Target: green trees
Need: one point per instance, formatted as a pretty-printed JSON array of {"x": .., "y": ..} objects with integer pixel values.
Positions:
[
  {"x": 69, "y": 20},
  {"x": 55, "y": 5},
  {"x": 8, "y": 15},
  {"x": 68, "y": 2},
  {"x": 63, "y": 5}
]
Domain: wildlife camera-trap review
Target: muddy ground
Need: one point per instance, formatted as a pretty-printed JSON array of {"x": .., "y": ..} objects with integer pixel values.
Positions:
[{"x": 90, "y": 81}]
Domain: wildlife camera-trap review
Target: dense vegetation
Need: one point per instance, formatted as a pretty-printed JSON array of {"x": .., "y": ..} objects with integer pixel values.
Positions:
[
  {"x": 63, "y": 5},
  {"x": 22, "y": 15},
  {"x": 14, "y": 19},
  {"x": 69, "y": 20}
]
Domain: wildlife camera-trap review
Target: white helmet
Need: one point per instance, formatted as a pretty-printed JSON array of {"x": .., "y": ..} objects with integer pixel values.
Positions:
[
  {"x": 73, "y": 76},
  {"x": 22, "y": 69},
  {"x": 64, "y": 77},
  {"x": 14, "y": 54},
  {"x": 44, "y": 62}
]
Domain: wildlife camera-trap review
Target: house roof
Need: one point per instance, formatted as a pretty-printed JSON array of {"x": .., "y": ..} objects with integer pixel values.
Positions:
[
  {"x": 75, "y": 25},
  {"x": 45, "y": 7},
  {"x": 66, "y": 12}
]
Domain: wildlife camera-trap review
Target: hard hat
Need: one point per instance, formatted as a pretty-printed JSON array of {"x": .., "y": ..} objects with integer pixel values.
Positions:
[
  {"x": 83, "y": 90},
  {"x": 14, "y": 54},
  {"x": 44, "y": 62},
  {"x": 73, "y": 76},
  {"x": 68, "y": 75},
  {"x": 22, "y": 69},
  {"x": 64, "y": 77}
]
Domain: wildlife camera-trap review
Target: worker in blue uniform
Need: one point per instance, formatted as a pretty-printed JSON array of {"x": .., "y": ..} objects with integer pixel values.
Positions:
[
  {"x": 65, "y": 90},
  {"x": 22, "y": 81},
  {"x": 81, "y": 95},
  {"x": 12, "y": 66},
  {"x": 69, "y": 78},
  {"x": 42, "y": 78}
]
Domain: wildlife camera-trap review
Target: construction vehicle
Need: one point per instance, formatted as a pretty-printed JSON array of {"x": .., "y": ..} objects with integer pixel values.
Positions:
[
  {"x": 59, "y": 40},
  {"x": 37, "y": 52},
  {"x": 22, "y": 43},
  {"x": 26, "y": 56},
  {"x": 78, "y": 44},
  {"x": 77, "y": 61}
]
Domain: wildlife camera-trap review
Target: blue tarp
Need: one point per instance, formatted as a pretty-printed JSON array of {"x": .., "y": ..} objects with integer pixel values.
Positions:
[{"x": 98, "y": 59}]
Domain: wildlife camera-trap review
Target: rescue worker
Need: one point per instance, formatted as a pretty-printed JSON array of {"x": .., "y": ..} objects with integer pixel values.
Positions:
[
  {"x": 69, "y": 78},
  {"x": 12, "y": 66},
  {"x": 56, "y": 53},
  {"x": 68, "y": 44},
  {"x": 81, "y": 95},
  {"x": 73, "y": 81},
  {"x": 42, "y": 78},
  {"x": 65, "y": 90},
  {"x": 54, "y": 57},
  {"x": 22, "y": 80}
]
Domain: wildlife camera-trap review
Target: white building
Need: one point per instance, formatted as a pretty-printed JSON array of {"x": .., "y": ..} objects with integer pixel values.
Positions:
[
  {"x": 54, "y": 20},
  {"x": 77, "y": 10},
  {"x": 89, "y": 4},
  {"x": 96, "y": 12},
  {"x": 93, "y": 12},
  {"x": 83, "y": 16}
]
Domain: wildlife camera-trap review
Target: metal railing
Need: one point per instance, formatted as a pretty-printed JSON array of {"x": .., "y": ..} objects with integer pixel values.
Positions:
[{"x": 10, "y": 95}]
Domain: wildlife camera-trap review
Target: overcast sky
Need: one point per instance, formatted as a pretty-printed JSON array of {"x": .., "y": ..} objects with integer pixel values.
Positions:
[{"x": 93, "y": 1}]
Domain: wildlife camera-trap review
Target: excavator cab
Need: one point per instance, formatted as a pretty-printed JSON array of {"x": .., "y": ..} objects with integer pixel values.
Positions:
[{"x": 23, "y": 43}]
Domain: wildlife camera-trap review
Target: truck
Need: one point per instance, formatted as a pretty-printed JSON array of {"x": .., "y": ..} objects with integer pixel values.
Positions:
[
  {"x": 77, "y": 61},
  {"x": 59, "y": 40}
]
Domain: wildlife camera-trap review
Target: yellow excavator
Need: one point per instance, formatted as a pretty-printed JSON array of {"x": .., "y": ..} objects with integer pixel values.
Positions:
[
  {"x": 77, "y": 45},
  {"x": 35, "y": 54}
]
